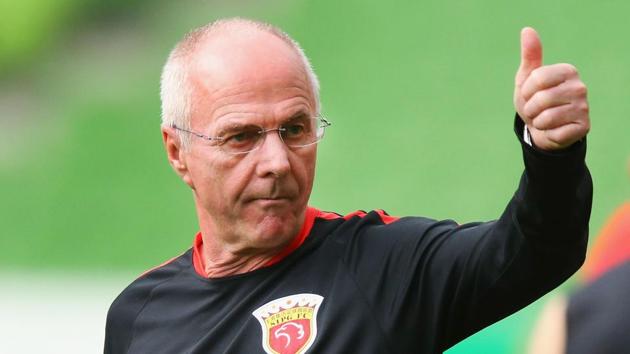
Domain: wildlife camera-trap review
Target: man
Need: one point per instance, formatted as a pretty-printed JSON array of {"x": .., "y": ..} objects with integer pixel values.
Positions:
[{"x": 269, "y": 274}]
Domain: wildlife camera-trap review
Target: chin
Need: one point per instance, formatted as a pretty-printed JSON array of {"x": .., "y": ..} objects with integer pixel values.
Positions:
[{"x": 277, "y": 230}]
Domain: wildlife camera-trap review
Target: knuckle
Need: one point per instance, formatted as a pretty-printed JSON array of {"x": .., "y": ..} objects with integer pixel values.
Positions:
[
  {"x": 580, "y": 108},
  {"x": 553, "y": 138},
  {"x": 580, "y": 89},
  {"x": 579, "y": 132},
  {"x": 539, "y": 101},
  {"x": 544, "y": 98},
  {"x": 537, "y": 78},
  {"x": 531, "y": 108},
  {"x": 569, "y": 69},
  {"x": 561, "y": 137},
  {"x": 542, "y": 120}
]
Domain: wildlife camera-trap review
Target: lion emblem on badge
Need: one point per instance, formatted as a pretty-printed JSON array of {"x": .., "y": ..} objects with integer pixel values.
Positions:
[{"x": 289, "y": 324}]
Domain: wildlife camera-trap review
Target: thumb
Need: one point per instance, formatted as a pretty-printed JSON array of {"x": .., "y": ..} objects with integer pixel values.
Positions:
[{"x": 531, "y": 54}]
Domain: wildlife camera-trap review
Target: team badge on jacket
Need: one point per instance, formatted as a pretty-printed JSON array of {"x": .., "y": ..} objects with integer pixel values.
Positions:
[{"x": 289, "y": 324}]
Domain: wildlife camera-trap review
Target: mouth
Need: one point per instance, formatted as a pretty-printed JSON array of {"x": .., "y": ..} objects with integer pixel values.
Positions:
[
  {"x": 276, "y": 195},
  {"x": 274, "y": 202},
  {"x": 272, "y": 199}
]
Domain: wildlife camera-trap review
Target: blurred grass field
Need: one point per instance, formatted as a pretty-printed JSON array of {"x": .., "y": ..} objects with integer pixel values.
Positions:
[{"x": 420, "y": 95}]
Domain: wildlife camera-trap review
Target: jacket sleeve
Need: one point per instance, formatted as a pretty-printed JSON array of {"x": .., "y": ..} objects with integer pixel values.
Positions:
[
  {"x": 538, "y": 242},
  {"x": 440, "y": 282}
]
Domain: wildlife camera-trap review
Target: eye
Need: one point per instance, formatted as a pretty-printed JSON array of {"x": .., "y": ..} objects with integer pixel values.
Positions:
[
  {"x": 242, "y": 139},
  {"x": 298, "y": 130},
  {"x": 294, "y": 130}
]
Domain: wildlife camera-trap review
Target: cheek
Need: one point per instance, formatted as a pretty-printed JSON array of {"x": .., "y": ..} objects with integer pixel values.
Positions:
[
  {"x": 306, "y": 171},
  {"x": 215, "y": 181}
]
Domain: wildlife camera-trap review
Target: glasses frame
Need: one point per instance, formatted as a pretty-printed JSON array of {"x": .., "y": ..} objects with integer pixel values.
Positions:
[{"x": 263, "y": 132}]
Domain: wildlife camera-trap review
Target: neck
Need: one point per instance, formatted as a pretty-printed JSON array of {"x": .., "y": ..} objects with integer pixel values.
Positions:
[
  {"x": 219, "y": 262},
  {"x": 218, "y": 255}
]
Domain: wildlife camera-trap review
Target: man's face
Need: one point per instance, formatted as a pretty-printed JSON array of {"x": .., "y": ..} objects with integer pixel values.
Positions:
[{"x": 254, "y": 201}]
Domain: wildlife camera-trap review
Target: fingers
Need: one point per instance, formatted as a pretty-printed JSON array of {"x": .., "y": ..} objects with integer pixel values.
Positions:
[
  {"x": 531, "y": 54},
  {"x": 555, "y": 117},
  {"x": 558, "y": 116},
  {"x": 546, "y": 77},
  {"x": 560, "y": 126},
  {"x": 565, "y": 135},
  {"x": 566, "y": 92}
]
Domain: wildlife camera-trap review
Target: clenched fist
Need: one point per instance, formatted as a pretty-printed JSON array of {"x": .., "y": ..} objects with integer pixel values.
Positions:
[{"x": 551, "y": 99}]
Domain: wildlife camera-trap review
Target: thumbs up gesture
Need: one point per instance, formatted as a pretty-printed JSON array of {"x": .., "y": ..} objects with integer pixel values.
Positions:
[{"x": 551, "y": 99}]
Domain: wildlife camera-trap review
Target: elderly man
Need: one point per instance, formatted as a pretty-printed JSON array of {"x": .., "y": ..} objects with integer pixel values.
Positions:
[{"x": 268, "y": 273}]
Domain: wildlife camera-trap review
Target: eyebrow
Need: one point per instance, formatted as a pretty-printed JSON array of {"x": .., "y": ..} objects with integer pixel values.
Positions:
[
  {"x": 300, "y": 114},
  {"x": 233, "y": 126}
]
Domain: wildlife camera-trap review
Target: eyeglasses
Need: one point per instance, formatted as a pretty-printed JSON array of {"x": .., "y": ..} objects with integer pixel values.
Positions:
[{"x": 295, "y": 133}]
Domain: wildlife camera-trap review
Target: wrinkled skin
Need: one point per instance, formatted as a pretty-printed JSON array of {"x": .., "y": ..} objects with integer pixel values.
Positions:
[{"x": 249, "y": 206}]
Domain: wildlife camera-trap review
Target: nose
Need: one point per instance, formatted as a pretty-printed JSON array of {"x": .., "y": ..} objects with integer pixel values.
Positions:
[{"x": 273, "y": 156}]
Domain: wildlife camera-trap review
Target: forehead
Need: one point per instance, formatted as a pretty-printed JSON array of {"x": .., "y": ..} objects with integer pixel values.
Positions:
[{"x": 248, "y": 73}]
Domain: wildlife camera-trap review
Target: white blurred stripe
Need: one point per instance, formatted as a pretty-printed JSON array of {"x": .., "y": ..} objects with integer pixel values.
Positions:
[{"x": 56, "y": 312}]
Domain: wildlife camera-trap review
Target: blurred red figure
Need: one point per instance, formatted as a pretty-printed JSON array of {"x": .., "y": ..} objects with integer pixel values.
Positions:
[
  {"x": 612, "y": 245},
  {"x": 596, "y": 318}
]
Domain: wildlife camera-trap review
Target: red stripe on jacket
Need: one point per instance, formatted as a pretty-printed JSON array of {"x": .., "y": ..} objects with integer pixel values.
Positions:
[{"x": 309, "y": 219}]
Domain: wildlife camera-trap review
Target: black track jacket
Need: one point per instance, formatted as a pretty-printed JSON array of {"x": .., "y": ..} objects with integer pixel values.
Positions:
[{"x": 371, "y": 283}]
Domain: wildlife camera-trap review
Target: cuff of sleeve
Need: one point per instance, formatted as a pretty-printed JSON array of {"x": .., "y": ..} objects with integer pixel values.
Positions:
[{"x": 576, "y": 151}]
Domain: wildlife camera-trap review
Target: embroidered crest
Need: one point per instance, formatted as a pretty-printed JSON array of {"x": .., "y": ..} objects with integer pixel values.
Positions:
[{"x": 289, "y": 324}]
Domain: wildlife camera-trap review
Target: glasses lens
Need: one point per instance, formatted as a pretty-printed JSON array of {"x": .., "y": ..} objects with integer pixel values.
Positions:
[
  {"x": 296, "y": 133},
  {"x": 302, "y": 132},
  {"x": 242, "y": 141}
]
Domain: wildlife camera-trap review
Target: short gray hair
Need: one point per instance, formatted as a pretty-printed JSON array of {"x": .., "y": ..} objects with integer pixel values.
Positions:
[{"x": 175, "y": 88}]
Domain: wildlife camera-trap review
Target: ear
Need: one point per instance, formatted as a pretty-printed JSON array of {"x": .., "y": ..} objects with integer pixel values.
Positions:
[{"x": 176, "y": 154}]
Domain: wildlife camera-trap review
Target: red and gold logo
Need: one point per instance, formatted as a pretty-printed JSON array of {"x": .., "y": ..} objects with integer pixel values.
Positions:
[{"x": 289, "y": 324}]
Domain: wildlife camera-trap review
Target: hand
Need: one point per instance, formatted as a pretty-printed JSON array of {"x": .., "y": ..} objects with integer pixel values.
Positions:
[{"x": 550, "y": 99}]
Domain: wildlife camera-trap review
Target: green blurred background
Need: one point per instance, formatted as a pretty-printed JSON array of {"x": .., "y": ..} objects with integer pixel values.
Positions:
[{"x": 420, "y": 94}]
